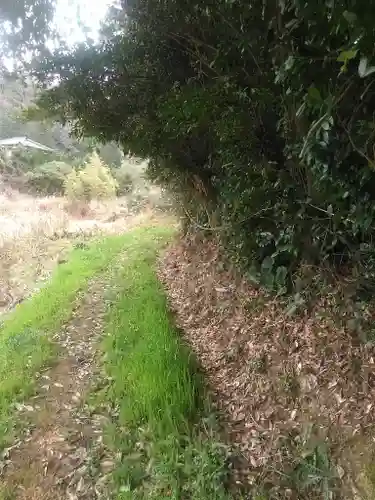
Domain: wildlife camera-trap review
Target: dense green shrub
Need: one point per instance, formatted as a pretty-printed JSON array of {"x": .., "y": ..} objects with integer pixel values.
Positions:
[
  {"x": 48, "y": 179},
  {"x": 259, "y": 116}
]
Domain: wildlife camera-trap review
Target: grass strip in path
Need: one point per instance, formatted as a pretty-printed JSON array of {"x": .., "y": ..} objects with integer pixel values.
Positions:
[
  {"x": 155, "y": 392},
  {"x": 26, "y": 334}
]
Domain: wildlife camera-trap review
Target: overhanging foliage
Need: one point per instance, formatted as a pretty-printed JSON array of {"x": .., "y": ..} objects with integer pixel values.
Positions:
[
  {"x": 25, "y": 24},
  {"x": 260, "y": 116}
]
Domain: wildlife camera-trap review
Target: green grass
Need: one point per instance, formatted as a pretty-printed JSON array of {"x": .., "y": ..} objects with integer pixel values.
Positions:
[
  {"x": 26, "y": 334},
  {"x": 155, "y": 391}
]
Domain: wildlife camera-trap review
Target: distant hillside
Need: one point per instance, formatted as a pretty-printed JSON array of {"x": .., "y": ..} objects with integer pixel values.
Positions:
[
  {"x": 35, "y": 171},
  {"x": 15, "y": 96}
]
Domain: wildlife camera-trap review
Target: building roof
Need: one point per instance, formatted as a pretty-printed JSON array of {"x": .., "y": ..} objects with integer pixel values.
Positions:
[{"x": 25, "y": 142}]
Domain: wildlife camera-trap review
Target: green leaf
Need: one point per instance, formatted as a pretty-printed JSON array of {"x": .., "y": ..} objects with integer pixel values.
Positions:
[
  {"x": 300, "y": 110},
  {"x": 363, "y": 69},
  {"x": 281, "y": 274},
  {"x": 289, "y": 63},
  {"x": 267, "y": 264},
  {"x": 314, "y": 94},
  {"x": 351, "y": 17},
  {"x": 347, "y": 55},
  {"x": 370, "y": 70},
  {"x": 292, "y": 23}
]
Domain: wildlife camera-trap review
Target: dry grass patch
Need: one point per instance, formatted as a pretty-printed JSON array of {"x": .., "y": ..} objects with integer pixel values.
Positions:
[
  {"x": 28, "y": 247},
  {"x": 35, "y": 234}
]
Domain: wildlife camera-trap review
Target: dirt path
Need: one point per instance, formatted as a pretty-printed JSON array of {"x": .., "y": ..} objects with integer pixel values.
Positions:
[{"x": 63, "y": 456}]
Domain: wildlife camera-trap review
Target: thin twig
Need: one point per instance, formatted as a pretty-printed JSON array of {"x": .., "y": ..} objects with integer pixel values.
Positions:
[
  {"x": 248, "y": 44},
  {"x": 224, "y": 226},
  {"x": 359, "y": 151}
]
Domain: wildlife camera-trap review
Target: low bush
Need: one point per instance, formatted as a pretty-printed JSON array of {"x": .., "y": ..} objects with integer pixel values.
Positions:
[
  {"x": 124, "y": 181},
  {"x": 93, "y": 181},
  {"x": 48, "y": 179},
  {"x": 131, "y": 175}
]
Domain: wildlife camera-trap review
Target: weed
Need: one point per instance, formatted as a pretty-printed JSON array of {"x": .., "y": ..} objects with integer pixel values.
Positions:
[
  {"x": 259, "y": 364},
  {"x": 26, "y": 334},
  {"x": 156, "y": 392},
  {"x": 314, "y": 473},
  {"x": 7, "y": 494}
]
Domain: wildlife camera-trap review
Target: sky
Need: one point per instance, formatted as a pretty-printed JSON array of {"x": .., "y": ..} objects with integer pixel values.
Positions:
[
  {"x": 75, "y": 20},
  {"x": 71, "y": 14}
]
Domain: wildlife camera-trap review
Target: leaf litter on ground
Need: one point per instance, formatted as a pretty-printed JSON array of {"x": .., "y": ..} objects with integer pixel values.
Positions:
[{"x": 288, "y": 386}]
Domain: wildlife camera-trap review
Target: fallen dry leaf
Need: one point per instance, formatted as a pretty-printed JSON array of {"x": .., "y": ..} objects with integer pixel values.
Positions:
[{"x": 272, "y": 375}]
